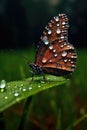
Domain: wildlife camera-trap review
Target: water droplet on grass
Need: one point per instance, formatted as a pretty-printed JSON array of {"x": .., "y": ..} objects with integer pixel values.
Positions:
[
  {"x": 39, "y": 86},
  {"x": 30, "y": 88},
  {"x": 23, "y": 89},
  {"x": 2, "y": 86},
  {"x": 6, "y": 97},
  {"x": 16, "y": 94}
]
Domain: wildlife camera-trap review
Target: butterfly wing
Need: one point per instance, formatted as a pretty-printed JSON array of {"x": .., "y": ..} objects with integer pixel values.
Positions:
[{"x": 55, "y": 54}]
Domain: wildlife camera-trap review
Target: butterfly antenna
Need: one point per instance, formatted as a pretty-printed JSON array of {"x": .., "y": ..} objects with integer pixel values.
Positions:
[{"x": 27, "y": 59}]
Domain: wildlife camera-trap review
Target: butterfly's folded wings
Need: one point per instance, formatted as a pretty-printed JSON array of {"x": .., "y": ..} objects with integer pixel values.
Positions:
[{"x": 55, "y": 54}]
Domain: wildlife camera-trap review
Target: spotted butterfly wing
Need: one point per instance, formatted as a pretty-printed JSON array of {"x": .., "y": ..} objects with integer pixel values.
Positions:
[{"x": 55, "y": 54}]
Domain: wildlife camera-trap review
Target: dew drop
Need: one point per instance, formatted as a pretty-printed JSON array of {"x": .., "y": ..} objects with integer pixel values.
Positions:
[
  {"x": 46, "y": 28},
  {"x": 50, "y": 60},
  {"x": 57, "y": 24},
  {"x": 2, "y": 86},
  {"x": 44, "y": 60},
  {"x": 62, "y": 45},
  {"x": 39, "y": 86},
  {"x": 16, "y": 94},
  {"x": 23, "y": 89},
  {"x": 30, "y": 88},
  {"x": 72, "y": 56},
  {"x": 75, "y": 56},
  {"x": 58, "y": 31},
  {"x": 69, "y": 60},
  {"x": 63, "y": 26},
  {"x": 63, "y": 23},
  {"x": 6, "y": 97},
  {"x": 64, "y": 31},
  {"x": 64, "y": 53},
  {"x": 55, "y": 55},
  {"x": 52, "y": 21},
  {"x": 54, "y": 50},
  {"x": 56, "y": 18},
  {"x": 50, "y": 47},
  {"x": 49, "y": 32},
  {"x": 70, "y": 47},
  {"x": 45, "y": 40},
  {"x": 62, "y": 37},
  {"x": 65, "y": 60},
  {"x": 22, "y": 85},
  {"x": 73, "y": 65}
]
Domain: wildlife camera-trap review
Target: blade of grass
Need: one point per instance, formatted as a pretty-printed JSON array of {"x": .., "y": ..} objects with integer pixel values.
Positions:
[
  {"x": 24, "y": 114},
  {"x": 74, "y": 124},
  {"x": 18, "y": 90}
]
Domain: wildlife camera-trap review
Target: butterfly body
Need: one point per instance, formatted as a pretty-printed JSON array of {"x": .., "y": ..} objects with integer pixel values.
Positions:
[
  {"x": 55, "y": 55},
  {"x": 37, "y": 69}
]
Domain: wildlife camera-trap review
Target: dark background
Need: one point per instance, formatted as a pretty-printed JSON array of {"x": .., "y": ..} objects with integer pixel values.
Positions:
[{"x": 22, "y": 21}]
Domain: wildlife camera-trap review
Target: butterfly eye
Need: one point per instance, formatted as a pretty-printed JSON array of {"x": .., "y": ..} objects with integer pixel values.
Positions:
[{"x": 55, "y": 55}]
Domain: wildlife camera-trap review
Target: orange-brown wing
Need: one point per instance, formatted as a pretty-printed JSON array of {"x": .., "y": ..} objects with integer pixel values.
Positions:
[
  {"x": 60, "y": 58},
  {"x": 55, "y": 52},
  {"x": 57, "y": 29}
]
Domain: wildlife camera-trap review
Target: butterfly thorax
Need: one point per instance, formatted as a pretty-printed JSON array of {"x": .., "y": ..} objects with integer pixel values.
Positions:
[{"x": 36, "y": 69}]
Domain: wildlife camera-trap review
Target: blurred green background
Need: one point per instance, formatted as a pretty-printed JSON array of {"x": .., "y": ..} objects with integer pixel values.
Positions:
[{"x": 21, "y": 25}]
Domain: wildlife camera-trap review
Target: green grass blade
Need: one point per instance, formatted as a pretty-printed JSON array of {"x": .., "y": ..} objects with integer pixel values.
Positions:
[{"x": 17, "y": 90}]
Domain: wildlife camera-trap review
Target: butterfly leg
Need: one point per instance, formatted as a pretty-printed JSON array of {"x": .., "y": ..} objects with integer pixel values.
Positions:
[
  {"x": 44, "y": 78},
  {"x": 32, "y": 73}
]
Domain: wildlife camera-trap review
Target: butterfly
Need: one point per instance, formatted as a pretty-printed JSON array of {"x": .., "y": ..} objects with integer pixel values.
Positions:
[{"x": 55, "y": 55}]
